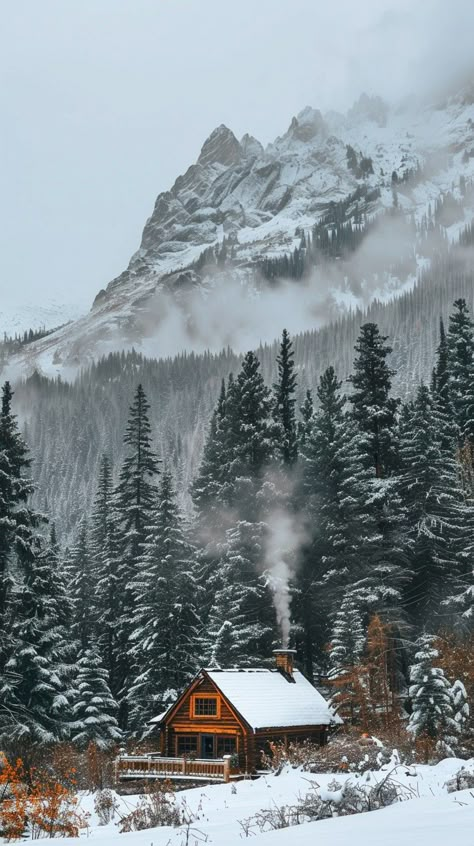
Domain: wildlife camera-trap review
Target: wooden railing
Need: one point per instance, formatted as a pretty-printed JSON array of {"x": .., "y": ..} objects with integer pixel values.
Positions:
[{"x": 154, "y": 766}]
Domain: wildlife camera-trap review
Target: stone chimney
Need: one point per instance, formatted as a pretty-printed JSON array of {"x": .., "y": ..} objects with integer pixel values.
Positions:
[{"x": 284, "y": 661}]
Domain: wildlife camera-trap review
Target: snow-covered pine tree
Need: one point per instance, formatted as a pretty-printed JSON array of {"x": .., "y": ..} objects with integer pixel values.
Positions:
[
  {"x": 16, "y": 518},
  {"x": 35, "y": 648},
  {"x": 461, "y": 603},
  {"x": 134, "y": 506},
  {"x": 373, "y": 409},
  {"x": 432, "y": 702},
  {"x": 284, "y": 403},
  {"x": 306, "y": 414},
  {"x": 343, "y": 500},
  {"x": 347, "y": 638},
  {"x": 105, "y": 560},
  {"x": 207, "y": 485},
  {"x": 83, "y": 589},
  {"x": 440, "y": 521},
  {"x": 243, "y": 600},
  {"x": 250, "y": 437},
  {"x": 322, "y": 471},
  {"x": 441, "y": 395},
  {"x": 460, "y": 707},
  {"x": 442, "y": 386},
  {"x": 136, "y": 490},
  {"x": 207, "y": 491},
  {"x": 461, "y": 370},
  {"x": 94, "y": 709},
  {"x": 166, "y": 639},
  {"x": 345, "y": 653},
  {"x": 223, "y": 649},
  {"x": 41, "y": 663}
]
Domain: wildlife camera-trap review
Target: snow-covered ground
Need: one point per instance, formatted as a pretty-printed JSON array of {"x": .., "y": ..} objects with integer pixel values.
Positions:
[{"x": 430, "y": 817}]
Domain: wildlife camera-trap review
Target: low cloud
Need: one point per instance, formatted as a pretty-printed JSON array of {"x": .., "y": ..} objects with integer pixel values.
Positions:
[{"x": 240, "y": 311}]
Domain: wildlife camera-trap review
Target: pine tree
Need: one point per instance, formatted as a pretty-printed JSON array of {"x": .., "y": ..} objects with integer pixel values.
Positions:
[
  {"x": 442, "y": 373},
  {"x": 34, "y": 648},
  {"x": 167, "y": 626},
  {"x": 304, "y": 424},
  {"x": 208, "y": 483},
  {"x": 460, "y": 707},
  {"x": 347, "y": 638},
  {"x": 439, "y": 518},
  {"x": 105, "y": 564},
  {"x": 345, "y": 652},
  {"x": 284, "y": 403},
  {"x": 335, "y": 486},
  {"x": 17, "y": 520},
  {"x": 461, "y": 368},
  {"x": 134, "y": 505},
  {"x": 374, "y": 412},
  {"x": 250, "y": 436},
  {"x": 319, "y": 497},
  {"x": 41, "y": 663},
  {"x": 136, "y": 490},
  {"x": 243, "y": 608},
  {"x": 224, "y": 650},
  {"x": 345, "y": 503},
  {"x": 373, "y": 409},
  {"x": 432, "y": 714},
  {"x": 83, "y": 590},
  {"x": 94, "y": 710},
  {"x": 461, "y": 603}
]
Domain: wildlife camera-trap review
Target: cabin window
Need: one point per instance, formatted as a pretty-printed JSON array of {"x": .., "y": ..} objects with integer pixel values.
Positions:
[
  {"x": 187, "y": 744},
  {"x": 205, "y": 706},
  {"x": 226, "y": 746}
]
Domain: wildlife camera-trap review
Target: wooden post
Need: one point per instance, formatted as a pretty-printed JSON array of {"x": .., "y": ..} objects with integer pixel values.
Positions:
[
  {"x": 227, "y": 768},
  {"x": 184, "y": 766}
]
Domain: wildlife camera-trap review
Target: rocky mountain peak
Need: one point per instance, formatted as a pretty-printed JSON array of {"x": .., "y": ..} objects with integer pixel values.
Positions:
[
  {"x": 221, "y": 147},
  {"x": 250, "y": 146},
  {"x": 258, "y": 199},
  {"x": 307, "y": 124},
  {"x": 371, "y": 108}
]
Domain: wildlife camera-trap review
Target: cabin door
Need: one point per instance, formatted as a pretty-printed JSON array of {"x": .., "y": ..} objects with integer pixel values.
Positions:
[{"x": 207, "y": 745}]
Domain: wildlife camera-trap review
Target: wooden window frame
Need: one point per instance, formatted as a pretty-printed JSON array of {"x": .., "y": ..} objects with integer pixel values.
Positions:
[
  {"x": 184, "y": 736},
  {"x": 215, "y": 716},
  {"x": 223, "y": 737}
]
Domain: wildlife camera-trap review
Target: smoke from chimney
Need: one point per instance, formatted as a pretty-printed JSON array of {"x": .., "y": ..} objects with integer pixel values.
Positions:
[{"x": 285, "y": 536}]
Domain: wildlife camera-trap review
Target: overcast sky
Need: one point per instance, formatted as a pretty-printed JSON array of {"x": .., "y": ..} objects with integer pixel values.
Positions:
[{"x": 104, "y": 102}]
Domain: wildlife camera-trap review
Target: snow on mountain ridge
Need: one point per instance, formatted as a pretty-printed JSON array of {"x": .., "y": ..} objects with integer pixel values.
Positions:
[{"x": 258, "y": 197}]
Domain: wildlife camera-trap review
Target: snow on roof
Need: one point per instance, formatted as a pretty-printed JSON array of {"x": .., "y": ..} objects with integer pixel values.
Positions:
[
  {"x": 267, "y": 700},
  {"x": 159, "y": 717}
]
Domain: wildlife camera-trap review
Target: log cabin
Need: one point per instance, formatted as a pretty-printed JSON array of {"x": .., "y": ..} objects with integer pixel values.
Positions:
[{"x": 232, "y": 715}]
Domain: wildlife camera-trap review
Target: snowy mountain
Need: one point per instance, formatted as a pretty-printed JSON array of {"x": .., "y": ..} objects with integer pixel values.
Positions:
[
  {"x": 16, "y": 317},
  {"x": 202, "y": 257}
]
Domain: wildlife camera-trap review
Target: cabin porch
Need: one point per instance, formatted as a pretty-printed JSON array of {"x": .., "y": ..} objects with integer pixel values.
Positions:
[{"x": 154, "y": 766}]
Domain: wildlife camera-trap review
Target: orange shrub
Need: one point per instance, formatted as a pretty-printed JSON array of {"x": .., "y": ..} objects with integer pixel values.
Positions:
[
  {"x": 13, "y": 799},
  {"x": 44, "y": 807},
  {"x": 53, "y": 806}
]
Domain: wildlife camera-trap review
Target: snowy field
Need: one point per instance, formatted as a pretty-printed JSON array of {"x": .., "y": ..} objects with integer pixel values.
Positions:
[{"x": 431, "y": 817}]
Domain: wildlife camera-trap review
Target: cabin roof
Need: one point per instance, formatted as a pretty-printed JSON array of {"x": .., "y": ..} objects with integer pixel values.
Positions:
[
  {"x": 266, "y": 699},
  {"x": 159, "y": 717}
]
